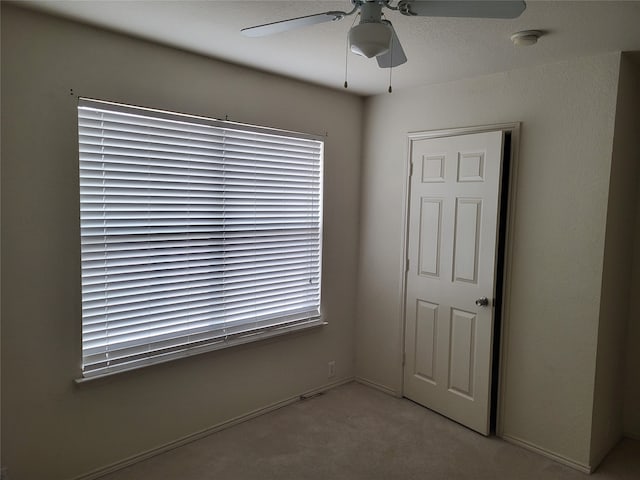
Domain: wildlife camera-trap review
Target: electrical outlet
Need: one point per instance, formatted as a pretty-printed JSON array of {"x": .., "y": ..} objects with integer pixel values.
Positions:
[{"x": 332, "y": 369}]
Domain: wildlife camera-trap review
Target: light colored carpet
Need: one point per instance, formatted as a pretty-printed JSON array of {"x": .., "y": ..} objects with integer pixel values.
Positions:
[{"x": 354, "y": 432}]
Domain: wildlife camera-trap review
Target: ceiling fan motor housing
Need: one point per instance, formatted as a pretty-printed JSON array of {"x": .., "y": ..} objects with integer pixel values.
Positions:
[{"x": 370, "y": 37}]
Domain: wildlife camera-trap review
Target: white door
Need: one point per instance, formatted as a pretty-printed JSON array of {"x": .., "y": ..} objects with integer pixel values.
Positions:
[{"x": 453, "y": 226}]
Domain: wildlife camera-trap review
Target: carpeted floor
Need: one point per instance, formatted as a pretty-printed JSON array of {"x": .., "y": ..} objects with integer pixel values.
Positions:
[{"x": 355, "y": 432}]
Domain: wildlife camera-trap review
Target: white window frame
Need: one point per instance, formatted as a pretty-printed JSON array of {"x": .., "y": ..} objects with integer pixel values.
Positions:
[{"x": 232, "y": 215}]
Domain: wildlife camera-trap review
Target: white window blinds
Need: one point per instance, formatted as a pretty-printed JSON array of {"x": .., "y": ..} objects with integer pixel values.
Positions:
[{"x": 195, "y": 234}]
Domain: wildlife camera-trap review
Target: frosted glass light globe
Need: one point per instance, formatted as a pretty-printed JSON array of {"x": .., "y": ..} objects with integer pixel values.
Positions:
[{"x": 370, "y": 39}]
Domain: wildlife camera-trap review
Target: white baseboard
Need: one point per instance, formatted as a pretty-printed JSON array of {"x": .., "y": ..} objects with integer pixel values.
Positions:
[
  {"x": 378, "y": 386},
  {"x": 547, "y": 453},
  {"x": 207, "y": 431}
]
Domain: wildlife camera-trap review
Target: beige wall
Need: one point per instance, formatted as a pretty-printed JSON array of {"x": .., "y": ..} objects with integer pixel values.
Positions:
[
  {"x": 616, "y": 278},
  {"x": 632, "y": 391},
  {"x": 52, "y": 428},
  {"x": 567, "y": 112}
]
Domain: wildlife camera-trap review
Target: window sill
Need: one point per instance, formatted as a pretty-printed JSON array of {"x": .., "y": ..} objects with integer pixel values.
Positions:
[{"x": 189, "y": 352}]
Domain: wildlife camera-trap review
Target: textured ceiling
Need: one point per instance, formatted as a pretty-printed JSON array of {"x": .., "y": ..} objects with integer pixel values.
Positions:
[{"x": 438, "y": 49}]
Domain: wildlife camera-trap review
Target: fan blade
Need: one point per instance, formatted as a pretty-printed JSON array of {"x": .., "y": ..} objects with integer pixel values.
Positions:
[
  {"x": 454, "y": 8},
  {"x": 284, "y": 25},
  {"x": 395, "y": 56}
]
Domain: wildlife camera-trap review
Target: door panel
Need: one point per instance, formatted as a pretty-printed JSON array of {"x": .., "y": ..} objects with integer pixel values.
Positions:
[
  {"x": 466, "y": 240},
  {"x": 429, "y": 243},
  {"x": 461, "y": 352},
  {"x": 425, "y": 337},
  {"x": 453, "y": 220}
]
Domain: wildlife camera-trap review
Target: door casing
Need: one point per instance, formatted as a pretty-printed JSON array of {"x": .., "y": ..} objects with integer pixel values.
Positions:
[{"x": 514, "y": 130}]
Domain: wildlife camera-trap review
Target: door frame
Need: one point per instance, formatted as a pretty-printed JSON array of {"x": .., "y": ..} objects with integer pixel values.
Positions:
[{"x": 513, "y": 128}]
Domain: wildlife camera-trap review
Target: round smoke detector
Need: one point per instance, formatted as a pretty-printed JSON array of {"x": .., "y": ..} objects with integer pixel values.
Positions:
[{"x": 526, "y": 37}]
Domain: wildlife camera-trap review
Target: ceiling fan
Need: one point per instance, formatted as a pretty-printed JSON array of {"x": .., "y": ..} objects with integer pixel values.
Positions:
[{"x": 375, "y": 36}]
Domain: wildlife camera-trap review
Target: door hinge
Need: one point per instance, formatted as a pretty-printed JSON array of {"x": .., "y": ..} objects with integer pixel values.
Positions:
[
  {"x": 411, "y": 168},
  {"x": 407, "y": 265}
]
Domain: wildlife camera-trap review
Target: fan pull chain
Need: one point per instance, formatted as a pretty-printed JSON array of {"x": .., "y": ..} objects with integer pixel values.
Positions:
[
  {"x": 346, "y": 63},
  {"x": 346, "y": 50},
  {"x": 391, "y": 66}
]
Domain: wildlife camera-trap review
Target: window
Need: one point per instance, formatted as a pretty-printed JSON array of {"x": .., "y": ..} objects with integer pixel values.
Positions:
[{"x": 195, "y": 234}]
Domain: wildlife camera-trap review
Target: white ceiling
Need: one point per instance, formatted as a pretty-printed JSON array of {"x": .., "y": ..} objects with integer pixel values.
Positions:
[{"x": 438, "y": 49}]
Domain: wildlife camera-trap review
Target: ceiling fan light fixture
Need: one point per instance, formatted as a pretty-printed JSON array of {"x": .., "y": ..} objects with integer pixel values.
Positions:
[{"x": 370, "y": 39}]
